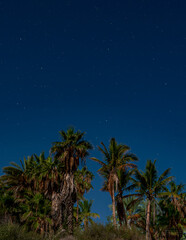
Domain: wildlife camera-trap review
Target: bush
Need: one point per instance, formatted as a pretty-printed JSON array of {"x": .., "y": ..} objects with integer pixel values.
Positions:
[
  {"x": 108, "y": 232},
  {"x": 94, "y": 232},
  {"x": 15, "y": 232}
]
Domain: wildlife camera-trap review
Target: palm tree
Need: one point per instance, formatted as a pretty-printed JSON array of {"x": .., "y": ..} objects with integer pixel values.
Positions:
[
  {"x": 70, "y": 151},
  {"x": 18, "y": 178},
  {"x": 150, "y": 185},
  {"x": 176, "y": 196},
  {"x": 83, "y": 184},
  {"x": 49, "y": 174},
  {"x": 170, "y": 223},
  {"x": 116, "y": 157},
  {"x": 124, "y": 178},
  {"x": 35, "y": 211},
  {"x": 131, "y": 205},
  {"x": 9, "y": 210},
  {"x": 85, "y": 212}
]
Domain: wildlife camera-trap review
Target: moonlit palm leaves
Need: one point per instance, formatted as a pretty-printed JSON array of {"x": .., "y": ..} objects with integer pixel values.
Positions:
[
  {"x": 49, "y": 174},
  {"x": 150, "y": 185},
  {"x": 176, "y": 196},
  {"x": 85, "y": 214},
  {"x": 83, "y": 184},
  {"x": 9, "y": 210},
  {"x": 116, "y": 158},
  {"x": 70, "y": 151},
  {"x": 170, "y": 222},
  {"x": 36, "y": 210},
  {"x": 36, "y": 174},
  {"x": 132, "y": 210},
  {"x": 18, "y": 178}
]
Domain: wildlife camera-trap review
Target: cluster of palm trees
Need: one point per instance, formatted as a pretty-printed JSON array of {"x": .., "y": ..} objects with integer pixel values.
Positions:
[
  {"x": 47, "y": 194},
  {"x": 155, "y": 204}
]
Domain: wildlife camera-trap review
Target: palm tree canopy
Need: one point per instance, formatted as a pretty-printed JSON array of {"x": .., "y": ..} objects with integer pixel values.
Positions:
[
  {"x": 83, "y": 180},
  {"x": 116, "y": 157},
  {"x": 18, "y": 177},
  {"x": 149, "y": 183},
  {"x": 71, "y": 149},
  {"x": 85, "y": 211}
]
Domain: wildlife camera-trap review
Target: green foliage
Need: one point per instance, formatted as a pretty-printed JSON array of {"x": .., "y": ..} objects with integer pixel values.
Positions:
[
  {"x": 148, "y": 182},
  {"x": 108, "y": 232},
  {"x": 85, "y": 214},
  {"x": 35, "y": 211},
  {"x": 15, "y": 232},
  {"x": 114, "y": 170},
  {"x": 40, "y": 193}
]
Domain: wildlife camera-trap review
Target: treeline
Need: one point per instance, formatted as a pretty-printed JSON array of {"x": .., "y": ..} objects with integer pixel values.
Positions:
[{"x": 46, "y": 194}]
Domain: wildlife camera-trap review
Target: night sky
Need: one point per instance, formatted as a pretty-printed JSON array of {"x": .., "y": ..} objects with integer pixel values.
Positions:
[{"x": 111, "y": 68}]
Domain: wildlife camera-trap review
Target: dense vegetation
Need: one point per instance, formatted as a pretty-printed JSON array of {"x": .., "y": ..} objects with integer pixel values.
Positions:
[{"x": 46, "y": 195}]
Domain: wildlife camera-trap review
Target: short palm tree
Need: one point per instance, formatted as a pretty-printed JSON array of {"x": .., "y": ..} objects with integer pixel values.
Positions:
[
  {"x": 18, "y": 178},
  {"x": 9, "y": 210},
  {"x": 170, "y": 222},
  {"x": 150, "y": 185},
  {"x": 131, "y": 205},
  {"x": 83, "y": 184},
  {"x": 49, "y": 175},
  {"x": 176, "y": 196},
  {"x": 85, "y": 212},
  {"x": 35, "y": 211}
]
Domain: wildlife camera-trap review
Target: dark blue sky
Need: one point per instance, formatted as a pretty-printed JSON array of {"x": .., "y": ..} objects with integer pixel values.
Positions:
[{"x": 110, "y": 68}]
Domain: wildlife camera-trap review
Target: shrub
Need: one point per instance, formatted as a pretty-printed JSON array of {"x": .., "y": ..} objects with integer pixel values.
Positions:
[
  {"x": 108, "y": 232},
  {"x": 15, "y": 232},
  {"x": 93, "y": 232}
]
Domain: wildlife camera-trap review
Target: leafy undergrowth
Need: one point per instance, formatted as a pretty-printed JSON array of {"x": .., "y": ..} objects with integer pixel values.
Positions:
[
  {"x": 94, "y": 232},
  {"x": 15, "y": 232},
  {"x": 108, "y": 232}
]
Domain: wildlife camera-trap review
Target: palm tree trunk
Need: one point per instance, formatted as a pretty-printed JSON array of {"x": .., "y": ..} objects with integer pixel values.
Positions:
[
  {"x": 70, "y": 216},
  {"x": 55, "y": 210},
  {"x": 85, "y": 224},
  {"x": 113, "y": 207},
  {"x": 77, "y": 214},
  {"x": 70, "y": 197},
  {"x": 121, "y": 210},
  {"x": 154, "y": 213},
  {"x": 148, "y": 236}
]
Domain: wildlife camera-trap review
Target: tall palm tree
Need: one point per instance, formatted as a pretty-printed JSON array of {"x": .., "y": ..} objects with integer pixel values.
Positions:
[
  {"x": 70, "y": 151},
  {"x": 85, "y": 212},
  {"x": 124, "y": 178},
  {"x": 150, "y": 185},
  {"x": 83, "y": 184},
  {"x": 116, "y": 157}
]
